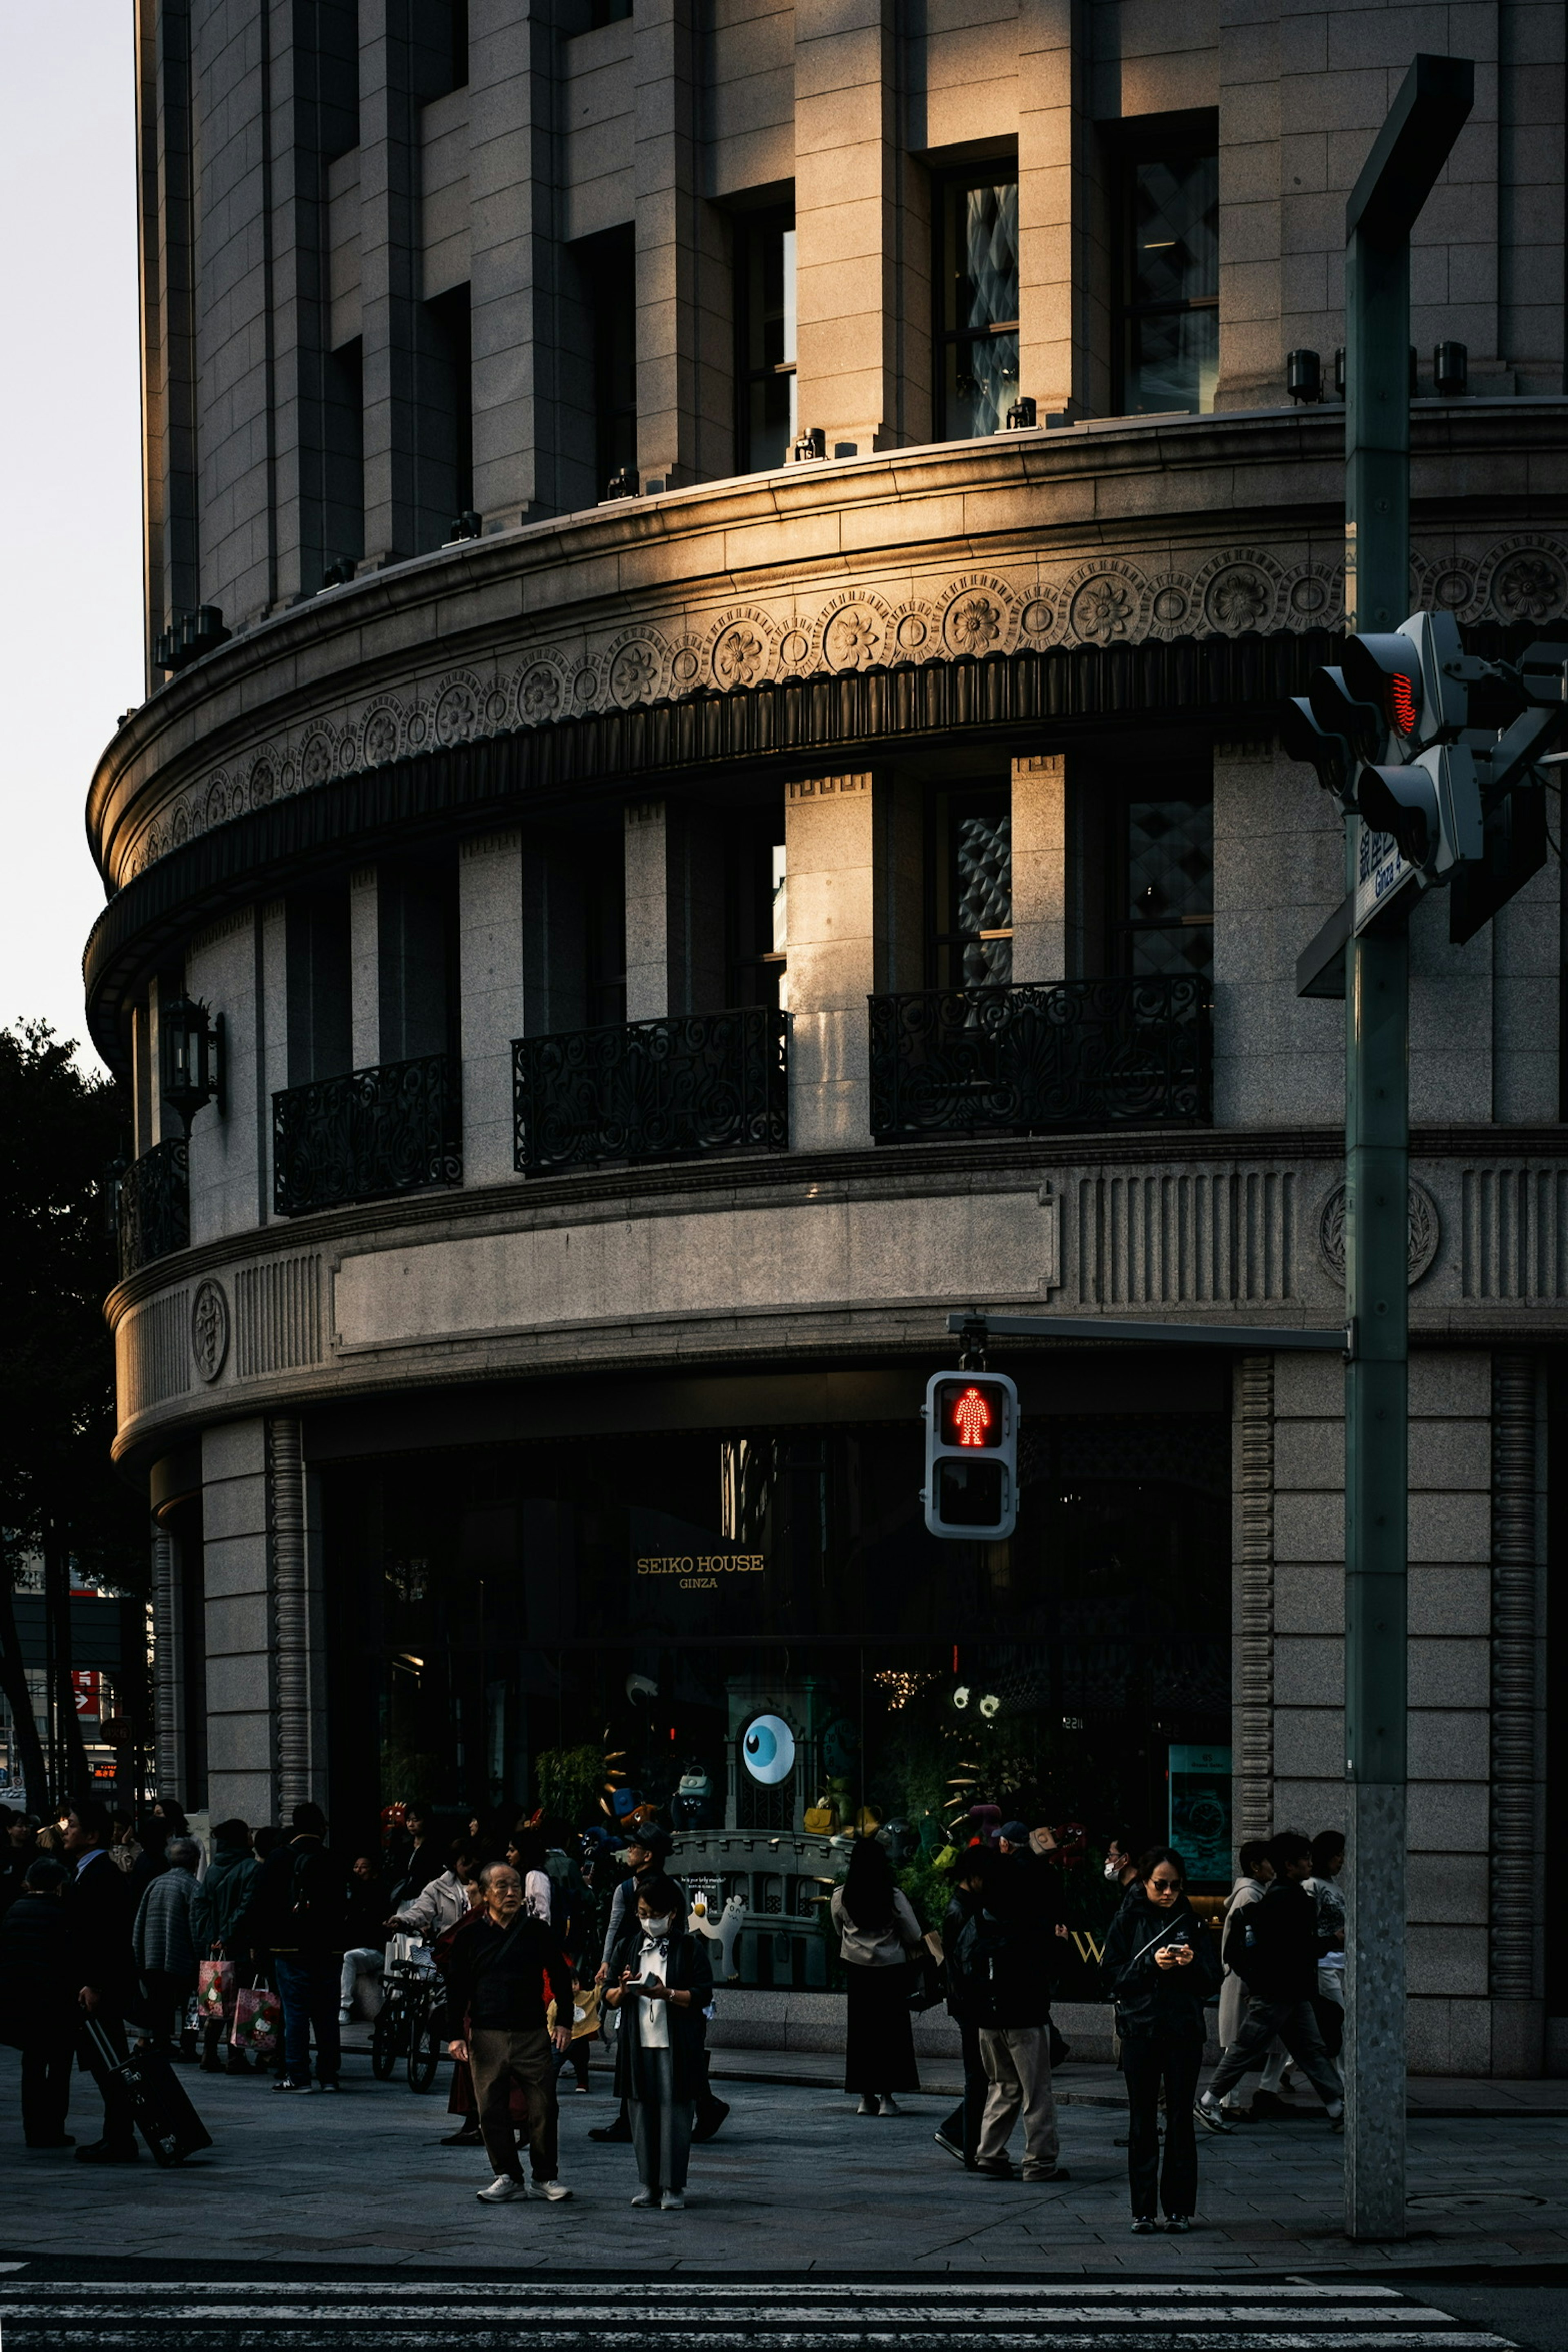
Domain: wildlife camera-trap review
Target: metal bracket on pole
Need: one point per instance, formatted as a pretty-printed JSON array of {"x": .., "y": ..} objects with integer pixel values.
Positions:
[{"x": 1250, "y": 1338}]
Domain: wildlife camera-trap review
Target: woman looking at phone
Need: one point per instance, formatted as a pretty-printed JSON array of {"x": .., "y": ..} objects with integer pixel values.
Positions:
[{"x": 1161, "y": 1970}]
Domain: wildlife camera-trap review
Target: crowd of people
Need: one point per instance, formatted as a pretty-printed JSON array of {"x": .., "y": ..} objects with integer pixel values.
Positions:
[{"x": 543, "y": 1942}]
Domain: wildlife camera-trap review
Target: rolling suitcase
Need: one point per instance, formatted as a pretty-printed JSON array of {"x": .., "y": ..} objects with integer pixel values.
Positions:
[{"x": 164, "y": 2116}]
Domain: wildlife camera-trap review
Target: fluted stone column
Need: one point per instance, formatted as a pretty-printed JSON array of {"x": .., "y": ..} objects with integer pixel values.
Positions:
[
  {"x": 1253, "y": 1763},
  {"x": 1516, "y": 1827},
  {"x": 168, "y": 1667},
  {"x": 290, "y": 1610}
]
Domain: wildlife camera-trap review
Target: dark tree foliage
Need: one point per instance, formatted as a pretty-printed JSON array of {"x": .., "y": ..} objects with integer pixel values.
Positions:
[{"x": 60, "y": 1129}]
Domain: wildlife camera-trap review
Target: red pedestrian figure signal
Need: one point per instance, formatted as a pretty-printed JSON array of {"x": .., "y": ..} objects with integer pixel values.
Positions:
[
  {"x": 972, "y": 1417},
  {"x": 972, "y": 1456}
]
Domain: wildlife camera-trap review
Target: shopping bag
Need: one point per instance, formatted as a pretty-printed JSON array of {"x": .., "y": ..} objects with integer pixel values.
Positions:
[
  {"x": 215, "y": 1987},
  {"x": 258, "y": 2021}
]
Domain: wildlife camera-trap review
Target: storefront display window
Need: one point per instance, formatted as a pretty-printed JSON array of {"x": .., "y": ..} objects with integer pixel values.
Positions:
[{"x": 752, "y": 1632}]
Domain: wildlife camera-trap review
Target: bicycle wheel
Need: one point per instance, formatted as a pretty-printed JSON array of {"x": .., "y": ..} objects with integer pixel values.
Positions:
[
  {"x": 424, "y": 2050},
  {"x": 383, "y": 2039}
]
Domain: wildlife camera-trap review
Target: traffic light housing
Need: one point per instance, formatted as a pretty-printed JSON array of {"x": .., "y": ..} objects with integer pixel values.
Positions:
[
  {"x": 1413, "y": 676},
  {"x": 1431, "y": 809},
  {"x": 971, "y": 1491}
]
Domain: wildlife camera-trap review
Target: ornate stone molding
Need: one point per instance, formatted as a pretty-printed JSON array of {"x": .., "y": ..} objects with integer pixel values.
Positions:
[
  {"x": 1254, "y": 1765},
  {"x": 1516, "y": 1852},
  {"x": 290, "y": 1612},
  {"x": 694, "y": 640}
]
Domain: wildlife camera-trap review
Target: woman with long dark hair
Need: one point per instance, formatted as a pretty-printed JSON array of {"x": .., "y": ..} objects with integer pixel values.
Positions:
[
  {"x": 1160, "y": 1968},
  {"x": 879, "y": 1937}
]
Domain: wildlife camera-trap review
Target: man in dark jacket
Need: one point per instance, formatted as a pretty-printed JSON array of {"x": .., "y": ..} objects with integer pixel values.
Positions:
[
  {"x": 100, "y": 1908},
  {"x": 38, "y": 2008},
  {"x": 1273, "y": 1945},
  {"x": 295, "y": 1912},
  {"x": 497, "y": 1966}
]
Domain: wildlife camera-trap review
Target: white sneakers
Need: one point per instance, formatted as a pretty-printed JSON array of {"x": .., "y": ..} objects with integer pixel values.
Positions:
[
  {"x": 643, "y": 2196},
  {"x": 672, "y": 2202},
  {"x": 502, "y": 2190},
  {"x": 552, "y": 2190}
]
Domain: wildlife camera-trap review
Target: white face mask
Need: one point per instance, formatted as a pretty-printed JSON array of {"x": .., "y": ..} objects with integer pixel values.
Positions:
[
  {"x": 658, "y": 1930},
  {"x": 1112, "y": 1869}
]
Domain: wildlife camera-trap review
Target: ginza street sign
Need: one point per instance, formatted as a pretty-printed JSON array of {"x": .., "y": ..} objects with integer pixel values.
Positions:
[{"x": 1383, "y": 876}]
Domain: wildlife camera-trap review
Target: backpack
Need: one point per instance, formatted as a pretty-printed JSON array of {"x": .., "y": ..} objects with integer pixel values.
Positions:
[{"x": 1241, "y": 1943}]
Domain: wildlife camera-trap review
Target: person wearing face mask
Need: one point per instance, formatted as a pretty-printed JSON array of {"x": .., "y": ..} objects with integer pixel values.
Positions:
[
  {"x": 662, "y": 1989},
  {"x": 1120, "y": 1867},
  {"x": 1160, "y": 1968}
]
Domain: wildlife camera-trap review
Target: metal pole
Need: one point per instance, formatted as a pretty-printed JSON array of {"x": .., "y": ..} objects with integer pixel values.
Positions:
[{"x": 1406, "y": 160}]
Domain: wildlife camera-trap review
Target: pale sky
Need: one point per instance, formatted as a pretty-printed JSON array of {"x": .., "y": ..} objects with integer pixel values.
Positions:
[{"x": 70, "y": 521}]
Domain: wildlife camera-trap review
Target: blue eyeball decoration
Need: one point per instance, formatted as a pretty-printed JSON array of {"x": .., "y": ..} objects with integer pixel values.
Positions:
[{"x": 767, "y": 1746}]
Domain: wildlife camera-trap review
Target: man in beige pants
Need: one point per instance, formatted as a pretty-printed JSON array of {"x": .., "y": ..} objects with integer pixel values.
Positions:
[{"x": 1017, "y": 1940}]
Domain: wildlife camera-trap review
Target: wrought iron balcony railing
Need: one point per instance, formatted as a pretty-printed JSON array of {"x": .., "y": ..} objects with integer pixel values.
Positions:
[
  {"x": 680, "y": 1089},
  {"x": 397, "y": 1128},
  {"x": 1031, "y": 1059},
  {"x": 152, "y": 1205}
]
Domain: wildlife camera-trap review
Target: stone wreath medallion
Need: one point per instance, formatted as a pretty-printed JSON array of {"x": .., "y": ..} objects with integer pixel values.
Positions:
[
  {"x": 1447, "y": 583},
  {"x": 209, "y": 1329},
  {"x": 1426, "y": 1232}
]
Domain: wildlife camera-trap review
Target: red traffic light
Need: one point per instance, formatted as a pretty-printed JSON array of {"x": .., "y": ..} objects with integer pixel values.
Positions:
[{"x": 972, "y": 1414}]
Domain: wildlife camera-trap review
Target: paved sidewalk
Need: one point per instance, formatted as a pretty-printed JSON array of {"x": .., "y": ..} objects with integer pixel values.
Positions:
[{"x": 795, "y": 2182}]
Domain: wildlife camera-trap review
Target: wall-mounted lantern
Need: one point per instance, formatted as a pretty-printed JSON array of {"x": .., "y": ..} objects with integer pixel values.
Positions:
[{"x": 190, "y": 1045}]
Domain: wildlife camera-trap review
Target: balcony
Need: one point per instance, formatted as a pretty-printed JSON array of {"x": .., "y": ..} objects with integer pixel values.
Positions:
[
  {"x": 152, "y": 1205},
  {"x": 680, "y": 1089},
  {"x": 366, "y": 1136},
  {"x": 1038, "y": 1060}
]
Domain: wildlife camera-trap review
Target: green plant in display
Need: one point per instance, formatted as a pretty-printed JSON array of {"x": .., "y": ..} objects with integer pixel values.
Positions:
[
  {"x": 569, "y": 1780},
  {"x": 409, "y": 1775}
]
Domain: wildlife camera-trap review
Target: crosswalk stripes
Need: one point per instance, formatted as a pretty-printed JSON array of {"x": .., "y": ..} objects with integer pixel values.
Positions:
[{"x": 532, "y": 2315}]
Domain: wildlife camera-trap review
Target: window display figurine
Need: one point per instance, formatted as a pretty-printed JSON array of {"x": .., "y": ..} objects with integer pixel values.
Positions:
[
  {"x": 724, "y": 1931},
  {"x": 692, "y": 1806}
]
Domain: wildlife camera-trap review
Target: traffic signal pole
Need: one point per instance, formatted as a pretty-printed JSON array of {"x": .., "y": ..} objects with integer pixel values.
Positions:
[{"x": 1410, "y": 151}]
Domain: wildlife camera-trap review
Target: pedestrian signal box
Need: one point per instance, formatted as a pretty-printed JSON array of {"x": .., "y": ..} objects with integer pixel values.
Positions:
[{"x": 972, "y": 1456}]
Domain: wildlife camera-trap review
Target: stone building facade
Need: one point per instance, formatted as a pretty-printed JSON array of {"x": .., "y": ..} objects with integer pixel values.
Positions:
[{"x": 719, "y": 581}]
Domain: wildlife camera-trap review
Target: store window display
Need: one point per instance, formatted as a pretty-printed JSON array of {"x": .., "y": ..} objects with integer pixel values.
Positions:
[{"x": 753, "y": 1634}]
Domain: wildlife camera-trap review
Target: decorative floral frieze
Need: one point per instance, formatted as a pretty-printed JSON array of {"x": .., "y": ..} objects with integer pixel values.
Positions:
[{"x": 565, "y": 670}]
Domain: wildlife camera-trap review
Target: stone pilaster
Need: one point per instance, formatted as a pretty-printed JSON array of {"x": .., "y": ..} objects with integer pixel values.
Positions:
[
  {"x": 1253, "y": 1762},
  {"x": 290, "y": 1610},
  {"x": 1515, "y": 1826},
  {"x": 168, "y": 1666}
]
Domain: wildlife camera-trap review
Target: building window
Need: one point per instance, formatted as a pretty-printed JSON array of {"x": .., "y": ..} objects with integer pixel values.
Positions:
[
  {"x": 755, "y": 911},
  {"x": 1170, "y": 301},
  {"x": 977, "y": 303},
  {"x": 969, "y": 871},
  {"x": 607, "y": 12},
  {"x": 1162, "y": 918},
  {"x": 764, "y": 322},
  {"x": 609, "y": 264}
]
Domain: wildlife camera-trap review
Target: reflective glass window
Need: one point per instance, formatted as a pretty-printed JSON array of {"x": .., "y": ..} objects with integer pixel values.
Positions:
[
  {"x": 977, "y": 304},
  {"x": 1170, "y": 298}
]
